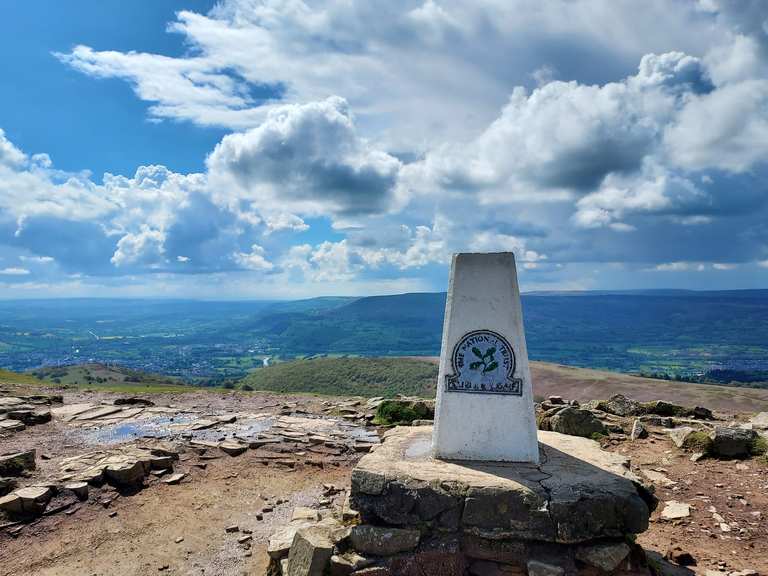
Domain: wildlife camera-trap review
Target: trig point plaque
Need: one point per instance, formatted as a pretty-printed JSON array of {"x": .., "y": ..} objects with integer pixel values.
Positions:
[{"x": 484, "y": 394}]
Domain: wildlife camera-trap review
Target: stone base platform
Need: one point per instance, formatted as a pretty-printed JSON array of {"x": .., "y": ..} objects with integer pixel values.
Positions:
[{"x": 575, "y": 512}]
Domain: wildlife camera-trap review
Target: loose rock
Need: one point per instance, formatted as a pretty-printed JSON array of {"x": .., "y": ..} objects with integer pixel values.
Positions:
[
  {"x": 17, "y": 463},
  {"x": 680, "y": 556},
  {"x": 576, "y": 422},
  {"x": 381, "y": 541},
  {"x": 638, "y": 431},
  {"x": 674, "y": 510},
  {"x": 537, "y": 568},
  {"x": 606, "y": 557},
  {"x": 310, "y": 553},
  {"x": 732, "y": 442}
]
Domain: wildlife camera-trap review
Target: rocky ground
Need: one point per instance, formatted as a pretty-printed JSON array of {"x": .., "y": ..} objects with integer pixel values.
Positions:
[{"x": 197, "y": 483}]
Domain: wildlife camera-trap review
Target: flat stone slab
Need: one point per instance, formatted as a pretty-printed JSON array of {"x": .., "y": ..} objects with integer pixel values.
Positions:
[{"x": 577, "y": 493}]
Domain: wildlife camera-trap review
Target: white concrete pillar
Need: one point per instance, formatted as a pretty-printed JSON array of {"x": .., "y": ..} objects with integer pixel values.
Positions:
[{"x": 484, "y": 394}]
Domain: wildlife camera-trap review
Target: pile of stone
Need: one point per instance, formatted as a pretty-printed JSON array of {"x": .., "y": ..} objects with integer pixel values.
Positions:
[
  {"x": 124, "y": 466},
  {"x": 620, "y": 405},
  {"x": 723, "y": 442},
  {"x": 378, "y": 410},
  {"x": 12, "y": 466},
  {"x": 557, "y": 415},
  {"x": 90, "y": 414},
  {"x": 618, "y": 417},
  {"x": 18, "y": 412},
  {"x": 355, "y": 410},
  {"x": 313, "y": 441},
  {"x": 575, "y": 511},
  {"x": 26, "y": 502}
]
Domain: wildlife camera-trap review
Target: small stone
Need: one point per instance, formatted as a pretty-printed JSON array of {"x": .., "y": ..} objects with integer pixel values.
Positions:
[
  {"x": 606, "y": 557},
  {"x": 310, "y": 552},
  {"x": 674, "y": 510},
  {"x": 179, "y": 540},
  {"x": 304, "y": 513},
  {"x": 245, "y": 538},
  {"x": 658, "y": 478},
  {"x": 725, "y": 527},
  {"x": 17, "y": 463},
  {"x": 576, "y": 422},
  {"x": 79, "y": 489},
  {"x": 381, "y": 541},
  {"x": 174, "y": 478},
  {"x": 161, "y": 463},
  {"x": 537, "y": 568},
  {"x": 6, "y": 485},
  {"x": 680, "y": 556},
  {"x": 679, "y": 435},
  {"x": 232, "y": 528},
  {"x": 732, "y": 442},
  {"x": 232, "y": 447},
  {"x": 112, "y": 514},
  {"x": 343, "y": 565},
  {"x": 638, "y": 431},
  {"x": 489, "y": 568},
  {"x": 620, "y": 405},
  {"x": 27, "y": 502},
  {"x": 701, "y": 413},
  {"x": 128, "y": 473}
]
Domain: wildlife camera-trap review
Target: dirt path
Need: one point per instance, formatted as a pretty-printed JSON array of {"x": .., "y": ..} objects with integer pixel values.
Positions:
[{"x": 141, "y": 538}]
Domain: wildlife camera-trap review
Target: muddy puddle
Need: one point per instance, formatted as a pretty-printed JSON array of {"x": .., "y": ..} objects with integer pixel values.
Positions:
[{"x": 190, "y": 426}]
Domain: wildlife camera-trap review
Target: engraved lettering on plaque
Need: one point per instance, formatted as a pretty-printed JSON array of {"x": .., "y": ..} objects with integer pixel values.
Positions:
[{"x": 483, "y": 362}]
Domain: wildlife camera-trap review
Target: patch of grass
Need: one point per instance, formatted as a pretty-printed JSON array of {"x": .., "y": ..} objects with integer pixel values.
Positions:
[
  {"x": 106, "y": 377},
  {"x": 401, "y": 413},
  {"x": 597, "y": 436},
  {"x": 759, "y": 446},
  {"x": 98, "y": 377},
  {"x": 8, "y": 377},
  {"x": 347, "y": 377},
  {"x": 698, "y": 442}
]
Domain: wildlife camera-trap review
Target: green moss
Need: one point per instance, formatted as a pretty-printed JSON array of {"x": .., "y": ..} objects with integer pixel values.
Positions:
[
  {"x": 759, "y": 446},
  {"x": 400, "y": 413},
  {"x": 597, "y": 436},
  {"x": 542, "y": 421},
  {"x": 662, "y": 408},
  {"x": 698, "y": 442}
]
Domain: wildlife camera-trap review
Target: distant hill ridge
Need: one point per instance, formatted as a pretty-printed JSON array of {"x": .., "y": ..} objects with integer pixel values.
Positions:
[{"x": 650, "y": 331}]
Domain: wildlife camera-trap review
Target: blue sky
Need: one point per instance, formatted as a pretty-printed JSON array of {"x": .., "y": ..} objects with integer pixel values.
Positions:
[{"x": 281, "y": 149}]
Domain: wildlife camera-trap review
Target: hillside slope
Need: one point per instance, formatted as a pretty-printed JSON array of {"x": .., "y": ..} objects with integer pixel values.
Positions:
[
  {"x": 418, "y": 376},
  {"x": 347, "y": 376},
  {"x": 584, "y": 384}
]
